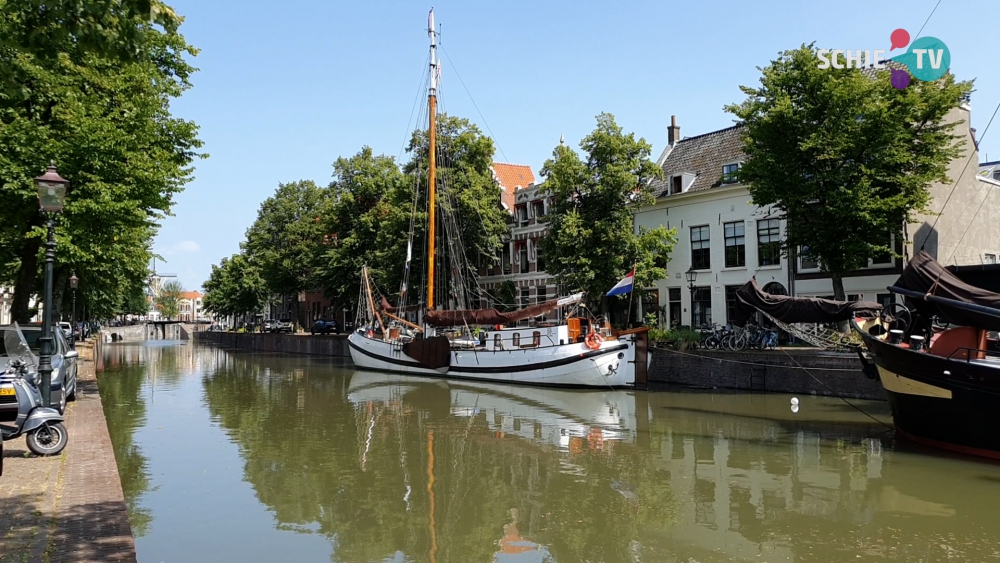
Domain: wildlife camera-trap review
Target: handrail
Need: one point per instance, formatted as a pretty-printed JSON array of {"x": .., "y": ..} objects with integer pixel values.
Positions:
[{"x": 969, "y": 352}]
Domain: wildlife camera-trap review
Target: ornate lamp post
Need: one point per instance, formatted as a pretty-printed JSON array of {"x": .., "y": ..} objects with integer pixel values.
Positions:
[
  {"x": 692, "y": 276},
  {"x": 51, "y": 196},
  {"x": 73, "y": 283}
]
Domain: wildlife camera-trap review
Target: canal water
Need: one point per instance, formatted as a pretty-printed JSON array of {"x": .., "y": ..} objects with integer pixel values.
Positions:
[{"x": 232, "y": 456}]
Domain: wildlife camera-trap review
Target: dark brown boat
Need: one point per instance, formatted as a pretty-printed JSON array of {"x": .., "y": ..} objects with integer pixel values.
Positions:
[{"x": 936, "y": 356}]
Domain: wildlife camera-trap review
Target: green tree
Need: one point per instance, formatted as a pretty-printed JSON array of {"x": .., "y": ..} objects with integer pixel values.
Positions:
[
  {"x": 365, "y": 222},
  {"x": 833, "y": 148},
  {"x": 168, "y": 301},
  {"x": 106, "y": 123},
  {"x": 114, "y": 29},
  {"x": 282, "y": 241},
  {"x": 235, "y": 287},
  {"x": 466, "y": 192},
  {"x": 591, "y": 241}
]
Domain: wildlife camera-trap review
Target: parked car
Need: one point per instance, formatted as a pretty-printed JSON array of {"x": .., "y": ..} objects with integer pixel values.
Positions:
[
  {"x": 284, "y": 325},
  {"x": 63, "y": 378},
  {"x": 270, "y": 325},
  {"x": 67, "y": 330},
  {"x": 325, "y": 327}
]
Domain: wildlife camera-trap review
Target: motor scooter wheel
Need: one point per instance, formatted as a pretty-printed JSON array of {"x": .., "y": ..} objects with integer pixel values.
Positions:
[{"x": 47, "y": 439}]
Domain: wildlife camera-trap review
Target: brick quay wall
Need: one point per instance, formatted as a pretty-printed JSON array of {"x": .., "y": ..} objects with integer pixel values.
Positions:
[
  {"x": 801, "y": 371},
  {"x": 319, "y": 345}
]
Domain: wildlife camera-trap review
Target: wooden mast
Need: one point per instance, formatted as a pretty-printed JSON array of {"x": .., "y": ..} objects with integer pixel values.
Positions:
[{"x": 432, "y": 154}]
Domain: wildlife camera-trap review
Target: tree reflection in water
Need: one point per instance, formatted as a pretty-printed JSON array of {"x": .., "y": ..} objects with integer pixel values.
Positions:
[
  {"x": 360, "y": 471},
  {"x": 520, "y": 474}
]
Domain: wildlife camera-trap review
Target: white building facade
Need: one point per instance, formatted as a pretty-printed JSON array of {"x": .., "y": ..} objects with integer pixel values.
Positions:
[{"x": 725, "y": 240}]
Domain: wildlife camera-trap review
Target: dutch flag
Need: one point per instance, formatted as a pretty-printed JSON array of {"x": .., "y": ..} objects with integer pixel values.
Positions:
[{"x": 623, "y": 286}]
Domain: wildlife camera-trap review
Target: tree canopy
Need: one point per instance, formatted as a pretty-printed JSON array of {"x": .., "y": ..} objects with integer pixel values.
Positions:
[
  {"x": 365, "y": 222},
  {"x": 168, "y": 300},
  {"x": 282, "y": 240},
  {"x": 845, "y": 156},
  {"x": 100, "y": 110},
  {"x": 235, "y": 287},
  {"x": 591, "y": 242}
]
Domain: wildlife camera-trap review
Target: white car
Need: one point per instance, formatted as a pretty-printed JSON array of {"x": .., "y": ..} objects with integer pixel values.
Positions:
[{"x": 67, "y": 330}]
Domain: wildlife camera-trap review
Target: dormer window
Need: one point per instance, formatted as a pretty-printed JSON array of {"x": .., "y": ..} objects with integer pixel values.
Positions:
[
  {"x": 675, "y": 185},
  {"x": 730, "y": 173}
]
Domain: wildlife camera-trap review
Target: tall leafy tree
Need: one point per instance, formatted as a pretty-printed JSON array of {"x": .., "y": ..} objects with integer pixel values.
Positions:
[
  {"x": 106, "y": 122},
  {"x": 168, "y": 301},
  {"x": 365, "y": 223},
  {"x": 282, "y": 240},
  {"x": 466, "y": 190},
  {"x": 234, "y": 288},
  {"x": 833, "y": 148},
  {"x": 591, "y": 242}
]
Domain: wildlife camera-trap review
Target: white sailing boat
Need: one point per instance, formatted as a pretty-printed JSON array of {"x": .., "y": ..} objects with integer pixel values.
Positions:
[{"x": 486, "y": 344}]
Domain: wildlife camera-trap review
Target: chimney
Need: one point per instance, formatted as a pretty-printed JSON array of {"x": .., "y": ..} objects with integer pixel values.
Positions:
[{"x": 673, "y": 132}]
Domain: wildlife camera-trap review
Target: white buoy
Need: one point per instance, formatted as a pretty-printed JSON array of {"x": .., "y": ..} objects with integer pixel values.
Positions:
[
  {"x": 795, "y": 401},
  {"x": 795, "y": 409}
]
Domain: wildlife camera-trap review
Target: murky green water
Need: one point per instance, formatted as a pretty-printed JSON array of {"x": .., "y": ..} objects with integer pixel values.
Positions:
[{"x": 231, "y": 456}]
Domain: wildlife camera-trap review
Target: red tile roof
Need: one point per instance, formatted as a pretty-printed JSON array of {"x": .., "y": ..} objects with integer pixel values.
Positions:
[
  {"x": 510, "y": 176},
  {"x": 191, "y": 295}
]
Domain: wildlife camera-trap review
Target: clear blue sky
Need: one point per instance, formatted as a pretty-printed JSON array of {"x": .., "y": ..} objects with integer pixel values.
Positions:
[{"x": 285, "y": 88}]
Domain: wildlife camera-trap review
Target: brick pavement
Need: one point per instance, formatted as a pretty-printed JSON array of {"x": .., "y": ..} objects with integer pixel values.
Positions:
[{"x": 68, "y": 508}]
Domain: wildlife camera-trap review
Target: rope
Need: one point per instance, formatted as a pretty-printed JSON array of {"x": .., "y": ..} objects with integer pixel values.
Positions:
[
  {"x": 954, "y": 185},
  {"x": 797, "y": 366},
  {"x": 455, "y": 68},
  {"x": 738, "y": 361},
  {"x": 927, "y": 20},
  {"x": 978, "y": 209},
  {"x": 835, "y": 394}
]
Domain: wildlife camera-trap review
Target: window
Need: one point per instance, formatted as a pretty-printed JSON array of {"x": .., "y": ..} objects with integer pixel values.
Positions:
[
  {"x": 731, "y": 302},
  {"x": 674, "y": 295},
  {"x": 701, "y": 258},
  {"x": 525, "y": 299},
  {"x": 497, "y": 342},
  {"x": 854, "y": 297},
  {"x": 807, "y": 262},
  {"x": 516, "y": 340},
  {"x": 651, "y": 305},
  {"x": 536, "y": 339},
  {"x": 990, "y": 258},
  {"x": 729, "y": 173},
  {"x": 675, "y": 184},
  {"x": 540, "y": 294},
  {"x": 523, "y": 255},
  {"x": 522, "y": 214},
  {"x": 883, "y": 258},
  {"x": 735, "y": 246},
  {"x": 769, "y": 242},
  {"x": 539, "y": 259},
  {"x": 538, "y": 209},
  {"x": 885, "y": 299},
  {"x": 701, "y": 309},
  {"x": 506, "y": 259}
]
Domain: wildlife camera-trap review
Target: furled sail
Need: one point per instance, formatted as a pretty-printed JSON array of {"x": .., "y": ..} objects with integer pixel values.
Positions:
[
  {"x": 925, "y": 275},
  {"x": 461, "y": 317},
  {"x": 750, "y": 299}
]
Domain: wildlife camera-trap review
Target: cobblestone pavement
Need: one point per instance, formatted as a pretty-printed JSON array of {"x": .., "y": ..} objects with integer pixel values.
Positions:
[{"x": 68, "y": 508}]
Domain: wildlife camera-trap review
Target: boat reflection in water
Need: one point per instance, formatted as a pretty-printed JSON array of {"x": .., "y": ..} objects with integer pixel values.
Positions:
[{"x": 345, "y": 466}]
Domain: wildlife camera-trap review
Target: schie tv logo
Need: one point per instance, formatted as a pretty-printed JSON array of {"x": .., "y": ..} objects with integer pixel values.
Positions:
[{"x": 927, "y": 59}]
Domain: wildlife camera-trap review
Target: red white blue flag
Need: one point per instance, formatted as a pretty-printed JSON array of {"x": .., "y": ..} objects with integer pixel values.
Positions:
[{"x": 623, "y": 286}]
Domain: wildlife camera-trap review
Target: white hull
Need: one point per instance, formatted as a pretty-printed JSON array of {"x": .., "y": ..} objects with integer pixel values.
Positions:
[
  {"x": 572, "y": 365},
  {"x": 562, "y": 413}
]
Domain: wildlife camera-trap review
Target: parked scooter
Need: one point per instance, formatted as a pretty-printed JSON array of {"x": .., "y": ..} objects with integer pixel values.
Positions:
[{"x": 42, "y": 427}]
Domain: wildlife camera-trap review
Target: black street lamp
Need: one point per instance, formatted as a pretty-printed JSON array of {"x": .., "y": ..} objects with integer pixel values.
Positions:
[
  {"x": 51, "y": 196},
  {"x": 692, "y": 276},
  {"x": 73, "y": 283}
]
